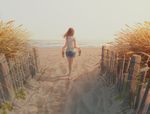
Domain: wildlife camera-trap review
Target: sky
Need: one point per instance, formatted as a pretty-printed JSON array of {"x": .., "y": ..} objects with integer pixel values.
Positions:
[{"x": 96, "y": 20}]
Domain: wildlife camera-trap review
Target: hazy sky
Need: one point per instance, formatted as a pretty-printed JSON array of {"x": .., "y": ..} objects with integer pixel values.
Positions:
[{"x": 95, "y": 20}]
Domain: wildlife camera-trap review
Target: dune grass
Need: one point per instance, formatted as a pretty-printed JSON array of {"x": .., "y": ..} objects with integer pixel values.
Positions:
[
  {"x": 133, "y": 39},
  {"x": 13, "y": 39}
]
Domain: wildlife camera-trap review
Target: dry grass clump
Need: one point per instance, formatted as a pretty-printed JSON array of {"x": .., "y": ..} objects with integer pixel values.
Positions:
[
  {"x": 134, "y": 39},
  {"x": 13, "y": 39}
]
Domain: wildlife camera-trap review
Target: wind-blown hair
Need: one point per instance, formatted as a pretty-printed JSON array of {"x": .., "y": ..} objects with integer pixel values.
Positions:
[{"x": 70, "y": 32}]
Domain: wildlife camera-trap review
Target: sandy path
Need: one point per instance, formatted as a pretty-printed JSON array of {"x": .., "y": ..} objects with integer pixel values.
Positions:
[
  {"x": 83, "y": 94},
  {"x": 57, "y": 68}
]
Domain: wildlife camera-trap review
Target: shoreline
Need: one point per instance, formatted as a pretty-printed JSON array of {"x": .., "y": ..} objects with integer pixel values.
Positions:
[
  {"x": 59, "y": 43},
  {"x": 62, "y": 46}
]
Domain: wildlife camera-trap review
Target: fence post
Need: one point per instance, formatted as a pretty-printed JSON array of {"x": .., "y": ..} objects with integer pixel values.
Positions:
[
  {"x": 103, "y": 60},
  {"x": 125, "y": 72},
  {"x": 139, "y": 86},
  {"x": 13, "y": 74},
  {"x": 108, "y": 64},
  {"x": 120, "y": 75},
  {"x": 112, "y": 65},
  {"x": 131, "y": 82},
  {"x": 148, "y": 110},
  {"x": 115, "y": 67},
  {"x": 2, "y": 95},
  {"x": 108, "y": 60},
  {"x": 5, "y": 78},
  {"x": 36, "y": 58},
  {"x": 144, "y": 98}
]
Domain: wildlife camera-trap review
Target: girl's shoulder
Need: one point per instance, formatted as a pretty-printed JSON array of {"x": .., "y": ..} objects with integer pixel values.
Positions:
[
  {"x": 73, "y": 38},
  {"x": 70, "y": 37}
]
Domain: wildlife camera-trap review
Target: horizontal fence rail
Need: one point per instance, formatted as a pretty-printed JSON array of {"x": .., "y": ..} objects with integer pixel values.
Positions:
[{"x": 130, "y": 75}]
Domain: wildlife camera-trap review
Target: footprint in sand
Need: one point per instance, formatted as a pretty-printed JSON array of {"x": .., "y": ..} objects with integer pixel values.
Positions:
[
  {"x": 52, "y": 70},
  {"x": 75, "y": 66},
  {"x": 62, "y": 68}
]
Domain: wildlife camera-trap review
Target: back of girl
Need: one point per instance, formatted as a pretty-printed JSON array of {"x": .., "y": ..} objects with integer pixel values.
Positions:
[{"x": 70, "y": 47}]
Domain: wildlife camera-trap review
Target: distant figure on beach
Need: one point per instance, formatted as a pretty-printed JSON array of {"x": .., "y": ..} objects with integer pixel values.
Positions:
[{"x": 69, "y": 47}]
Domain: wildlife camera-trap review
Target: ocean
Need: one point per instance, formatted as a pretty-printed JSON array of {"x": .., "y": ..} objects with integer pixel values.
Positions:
[{"x": 60, "y": 43}]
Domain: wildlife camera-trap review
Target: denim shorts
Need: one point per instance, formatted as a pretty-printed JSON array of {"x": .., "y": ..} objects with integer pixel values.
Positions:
[{"x": 70, "y": 53}]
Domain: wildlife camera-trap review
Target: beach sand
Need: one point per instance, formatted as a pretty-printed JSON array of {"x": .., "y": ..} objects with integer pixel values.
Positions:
[
  {"x": 58, "y": 66},
  {"x": 84, "y": 93}
]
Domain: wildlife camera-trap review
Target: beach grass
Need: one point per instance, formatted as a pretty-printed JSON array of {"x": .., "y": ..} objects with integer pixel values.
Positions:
[
  {"x": 13, "y": 39},
  {"x": 133, "y": 39}
]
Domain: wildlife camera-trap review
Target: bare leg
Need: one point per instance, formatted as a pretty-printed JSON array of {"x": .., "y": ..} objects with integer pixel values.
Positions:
[{"x": 70, "y": 61}]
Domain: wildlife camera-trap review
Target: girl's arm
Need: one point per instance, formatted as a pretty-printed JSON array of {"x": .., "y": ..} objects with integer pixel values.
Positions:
[
  {"x": 65, "y": 45},
  {"x": 63, "y": 48},
  {"x": 75, "y": 46}
]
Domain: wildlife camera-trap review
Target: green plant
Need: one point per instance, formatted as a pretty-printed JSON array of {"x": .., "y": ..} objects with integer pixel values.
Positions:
[
  {"x": 122, "y": 94},
  {"x": 20, "y": 94},
  {"x": 5, "y": 107}
]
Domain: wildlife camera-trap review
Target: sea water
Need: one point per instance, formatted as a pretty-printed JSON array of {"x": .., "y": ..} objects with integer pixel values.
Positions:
[{"x": 60, "y": 43}]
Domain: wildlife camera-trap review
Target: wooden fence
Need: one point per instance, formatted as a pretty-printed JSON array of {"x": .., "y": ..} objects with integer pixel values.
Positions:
[
  {"x": 130, "y": 74},
  {"x": 15, "y": 71}
]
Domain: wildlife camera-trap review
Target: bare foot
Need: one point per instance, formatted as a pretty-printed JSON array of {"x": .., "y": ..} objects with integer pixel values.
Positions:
[{"x": 69, "y": 75}]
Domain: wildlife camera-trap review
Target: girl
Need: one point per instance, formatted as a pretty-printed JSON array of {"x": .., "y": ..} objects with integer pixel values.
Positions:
[{"x": 70, "y": 45}]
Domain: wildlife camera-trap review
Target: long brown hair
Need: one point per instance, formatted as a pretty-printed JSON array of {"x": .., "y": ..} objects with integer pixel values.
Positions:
[{"x": 70, "y": 32}]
